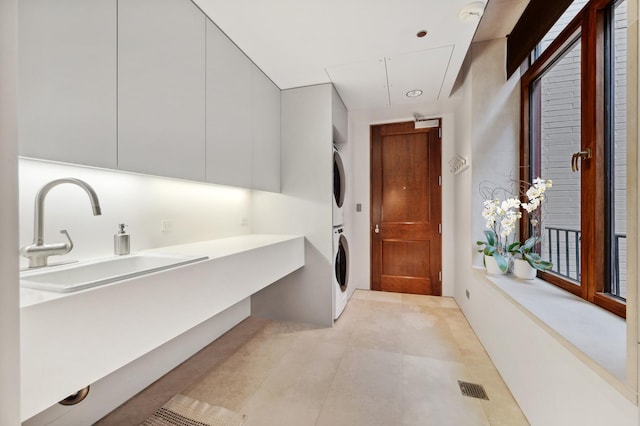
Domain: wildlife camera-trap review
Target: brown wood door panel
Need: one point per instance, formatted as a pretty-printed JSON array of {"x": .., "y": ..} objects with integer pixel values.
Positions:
[
  {"x": 405, "y": 258},
  {"x": 406, "y": 205},
  {"x": 410, "y": 285}
]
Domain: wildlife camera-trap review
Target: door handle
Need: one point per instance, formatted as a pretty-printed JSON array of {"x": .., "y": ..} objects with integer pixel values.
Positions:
[
  {"x": 578, "y": 157},
  {"x": 376, "y": 229}
]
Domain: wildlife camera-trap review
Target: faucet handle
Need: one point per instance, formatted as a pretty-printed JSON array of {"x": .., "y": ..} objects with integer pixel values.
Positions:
[{"x": 70, "y": 245}]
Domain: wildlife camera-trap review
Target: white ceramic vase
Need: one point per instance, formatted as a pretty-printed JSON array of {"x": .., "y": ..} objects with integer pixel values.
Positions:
[
  {"x": 492, "y": 266},
  {"x": 523, "y": 270}
]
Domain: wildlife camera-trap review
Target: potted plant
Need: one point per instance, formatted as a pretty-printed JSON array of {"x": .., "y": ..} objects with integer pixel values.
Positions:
[
  {"x": 501, "y": 217},
  {"x": 495, "y": 260},
  {"x": 526, "y": 262}
]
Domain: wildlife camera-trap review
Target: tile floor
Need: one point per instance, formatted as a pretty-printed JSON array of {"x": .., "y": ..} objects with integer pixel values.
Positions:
[{"x": 391, "y": 359}]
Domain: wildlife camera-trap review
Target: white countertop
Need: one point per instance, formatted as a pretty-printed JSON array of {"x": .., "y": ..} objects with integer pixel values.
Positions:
[
  {"x": 213, "y": 249},
  {"x": 88, "y": 334},
  {"x": 222, "y": 247}
]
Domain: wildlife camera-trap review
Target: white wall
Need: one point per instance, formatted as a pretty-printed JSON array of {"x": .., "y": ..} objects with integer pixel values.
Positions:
[
  {"x": 462, "y": 187},
  {"x": 359, "y": 191},
  {"x": 9, "y": 312},
  {"x": 197, "y": 211},
  {"x": 303, "y": 207},
  {"x": 551, "y": 385}
]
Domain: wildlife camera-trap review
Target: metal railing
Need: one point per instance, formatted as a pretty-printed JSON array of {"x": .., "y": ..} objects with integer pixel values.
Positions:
[
  {"x": 571, "y": 259},
  {"x": 563, "y": 250},
  {"x": 617, "y": 271}
]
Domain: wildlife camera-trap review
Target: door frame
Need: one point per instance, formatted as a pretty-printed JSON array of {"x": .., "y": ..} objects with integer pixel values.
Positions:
[{"x": 443, "y": 202}]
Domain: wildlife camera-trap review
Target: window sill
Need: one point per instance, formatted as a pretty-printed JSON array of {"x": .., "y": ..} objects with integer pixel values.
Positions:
[{"x": 596, "y": 336}]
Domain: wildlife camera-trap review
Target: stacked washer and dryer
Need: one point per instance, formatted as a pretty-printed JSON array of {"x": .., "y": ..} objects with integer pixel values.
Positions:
[{"x": 341, "y": 289}]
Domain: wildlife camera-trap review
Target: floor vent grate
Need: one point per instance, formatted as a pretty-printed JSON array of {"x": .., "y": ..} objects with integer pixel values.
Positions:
[{"x": 473, "y": 390}]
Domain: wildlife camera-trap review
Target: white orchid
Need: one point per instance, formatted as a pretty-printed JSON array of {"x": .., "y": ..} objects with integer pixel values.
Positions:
[
  {"x": 505, "y": 214},
  {"x": 501, "y": 220},
  {"x": 535, "y": 194}
]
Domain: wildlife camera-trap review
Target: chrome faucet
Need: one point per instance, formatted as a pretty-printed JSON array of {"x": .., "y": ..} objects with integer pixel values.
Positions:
[{"x": 38, "y": 252}]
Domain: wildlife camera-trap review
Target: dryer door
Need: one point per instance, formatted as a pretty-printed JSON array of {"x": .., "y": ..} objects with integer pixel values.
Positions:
[{"x": 342, "y": 263}]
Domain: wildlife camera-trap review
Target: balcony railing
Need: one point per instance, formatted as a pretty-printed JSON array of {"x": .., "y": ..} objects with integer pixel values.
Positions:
[{"x": 563, "y": 250}]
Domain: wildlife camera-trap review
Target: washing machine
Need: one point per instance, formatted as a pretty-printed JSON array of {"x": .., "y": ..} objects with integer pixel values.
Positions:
[
  {"x": 340, "y": 271},
  {"x": 338, "y": 188}
]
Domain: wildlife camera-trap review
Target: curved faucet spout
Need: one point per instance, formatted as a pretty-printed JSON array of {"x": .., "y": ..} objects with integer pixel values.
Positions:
[
  {"x": 38, "y": 214},
  {"x": 38, "y": 252}
]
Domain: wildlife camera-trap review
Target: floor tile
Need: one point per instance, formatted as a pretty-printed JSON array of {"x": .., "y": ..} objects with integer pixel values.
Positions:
[
  {"x": 383, "y": 296},
  {"x": 233, "y": 382},
  {"x": 367, "y": 390},
  {"x": 380, "y": 332},
  {"x": 295, "y": 390},
  {"x": 360, "y": 294},
  {"x": 390, "y": 359},
  {"x": 431, "y": 394}
]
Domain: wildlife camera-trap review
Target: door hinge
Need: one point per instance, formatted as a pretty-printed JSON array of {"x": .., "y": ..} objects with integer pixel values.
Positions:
[
  {"x": 440, "y": 276},
  {"x": 440, "y": 180},
  {"x": 439, "y": 228},
  {"x": 440, "y": 132}
]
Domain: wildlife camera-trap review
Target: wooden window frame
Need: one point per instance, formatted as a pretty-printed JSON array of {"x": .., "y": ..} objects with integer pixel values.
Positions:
[{"x": 589, "y": 26}]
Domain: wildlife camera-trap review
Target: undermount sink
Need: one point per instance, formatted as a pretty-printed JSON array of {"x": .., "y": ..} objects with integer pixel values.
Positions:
[{"x": 80, "y": 276}]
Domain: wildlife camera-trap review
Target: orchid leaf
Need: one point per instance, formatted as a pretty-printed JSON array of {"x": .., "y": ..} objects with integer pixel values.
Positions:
[
  {"x": 513, "y": 246},
  {"x": 491, "y": 237},
  {"x": 528, "y": 245},
  {"x": 501, "y": 261}
]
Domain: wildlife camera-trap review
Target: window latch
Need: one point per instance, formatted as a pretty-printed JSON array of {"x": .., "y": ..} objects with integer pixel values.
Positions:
[{"x": 578, "y": 157}]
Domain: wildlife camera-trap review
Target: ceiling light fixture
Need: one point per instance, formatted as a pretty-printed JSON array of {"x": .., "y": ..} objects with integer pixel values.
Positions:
[
  {"x": 421, "y": 33},
  {"x": 472, "y": 12},
  {"x": 414, "y": 93}
]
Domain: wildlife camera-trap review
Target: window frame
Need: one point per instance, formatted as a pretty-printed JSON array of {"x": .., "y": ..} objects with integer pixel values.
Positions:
[{"x": 589, "y": 26}]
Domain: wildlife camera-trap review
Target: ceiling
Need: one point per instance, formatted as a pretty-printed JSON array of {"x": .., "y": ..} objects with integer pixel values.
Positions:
[{"x": 367, "y": 48}]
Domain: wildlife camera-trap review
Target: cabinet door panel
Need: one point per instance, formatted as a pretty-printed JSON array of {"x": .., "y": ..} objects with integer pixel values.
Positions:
[
  {"x": 161, "y": 88},
  {"x": 339, "y": 118},
  {"x": 67, "y": 80},
  {"x": 229, "y": 112},
  {"x": 266, "y": 133}
]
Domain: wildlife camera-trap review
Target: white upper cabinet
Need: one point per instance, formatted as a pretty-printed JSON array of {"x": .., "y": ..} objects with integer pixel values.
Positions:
[
  {"x": 338, "y": 117},
  {"x": 149, "y": 86},
  {"x": 266, "y": 133},
  {"x": 229, "y": 112},
  {"x": 67, "y": 80},
  {"x": 161, "y": 88}
]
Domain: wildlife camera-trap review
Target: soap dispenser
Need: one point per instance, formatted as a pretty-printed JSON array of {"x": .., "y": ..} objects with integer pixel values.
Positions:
[{"x": 121, "y": 242}]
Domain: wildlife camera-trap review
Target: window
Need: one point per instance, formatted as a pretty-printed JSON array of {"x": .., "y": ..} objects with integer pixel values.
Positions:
[
  {"x": 616, "y": 144},
  {"x": 561, "y": 24},
  {"x": 574, "y": 132}
]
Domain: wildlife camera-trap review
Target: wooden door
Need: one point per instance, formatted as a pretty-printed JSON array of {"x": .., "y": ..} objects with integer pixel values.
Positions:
[{"x": 406, "y": 200}]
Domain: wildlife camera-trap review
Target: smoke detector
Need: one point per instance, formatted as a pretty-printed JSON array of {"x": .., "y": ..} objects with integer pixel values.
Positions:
[{"x": 472, "y": 12}]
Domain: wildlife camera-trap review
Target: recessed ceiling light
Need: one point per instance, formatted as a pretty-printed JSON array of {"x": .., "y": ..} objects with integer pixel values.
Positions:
[
  {"x": 414, "y": 93},
  {"x": 421, "y": 33}
]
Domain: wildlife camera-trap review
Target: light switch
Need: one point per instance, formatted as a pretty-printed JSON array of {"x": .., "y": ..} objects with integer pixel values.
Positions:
[{"x": 358, "y": 207}]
